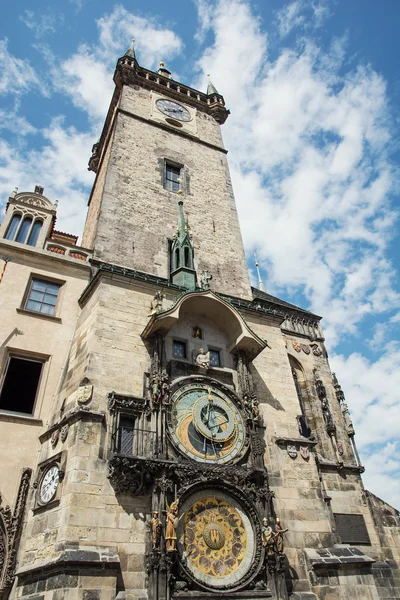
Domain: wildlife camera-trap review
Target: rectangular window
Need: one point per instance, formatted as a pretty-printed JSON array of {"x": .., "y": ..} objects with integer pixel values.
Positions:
[
  {"x": 215, "y": 358},
  {"x": 126, "y": 430},
  {"x": 42, "y": 297},
  {"x": 172, "y": 180},
  {"x": 21, "y": 384},
  {"x": 179, "y": 349}
]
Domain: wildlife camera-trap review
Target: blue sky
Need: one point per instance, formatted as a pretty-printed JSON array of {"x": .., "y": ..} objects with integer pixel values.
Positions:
[{"x": 313, "y": 139}]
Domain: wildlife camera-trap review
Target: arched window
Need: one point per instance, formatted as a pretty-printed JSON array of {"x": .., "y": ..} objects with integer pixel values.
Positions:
[
  {"x": 12, "y": 228},
  {"x": 187, "y": 259},
  {"x": 299, "y": 383},
  {"x": 177, "y": 262},
  {"x": 34, "y": 234},
  {"x": 23, "y": 230}
]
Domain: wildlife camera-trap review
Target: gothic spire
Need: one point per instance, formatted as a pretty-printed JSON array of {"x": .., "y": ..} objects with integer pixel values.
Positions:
[
  {"x": 260, "y": 284},
  {"x": 182, "y": 253},
  {"x": 211, "y": 89}
]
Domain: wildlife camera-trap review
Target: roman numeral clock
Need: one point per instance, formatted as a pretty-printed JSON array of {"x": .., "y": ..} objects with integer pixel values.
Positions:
[{"x": 198, "y": 446}]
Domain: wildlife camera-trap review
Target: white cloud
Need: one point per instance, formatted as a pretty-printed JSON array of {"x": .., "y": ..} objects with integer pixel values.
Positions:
[
  {"x": 16, "y": 75},
  {"x": 88, "y": 81},
  {"x": 154, "y": 42},
  {"x": 41, "y": 24},
  {"x": 371, "y": 389},
  {"x": 289, "y": 17},
  {"x": 12, "y": 121},
  {"x": 301, "y": 14}
]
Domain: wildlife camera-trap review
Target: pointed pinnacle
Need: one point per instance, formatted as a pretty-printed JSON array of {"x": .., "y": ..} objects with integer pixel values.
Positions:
[
  {"x": 131, "y": 50},
  {"x": 261, "y": 285},
  {"x": 211, "y": 89}
]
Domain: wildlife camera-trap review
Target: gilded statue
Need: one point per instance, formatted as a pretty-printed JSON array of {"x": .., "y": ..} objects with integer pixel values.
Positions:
[
  {"x": 267, "y": 537},
  {"x": 171, "y": 525}
]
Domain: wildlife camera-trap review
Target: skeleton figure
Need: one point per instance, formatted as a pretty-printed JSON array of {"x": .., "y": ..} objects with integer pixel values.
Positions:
[{"x": 279, "y": 536}]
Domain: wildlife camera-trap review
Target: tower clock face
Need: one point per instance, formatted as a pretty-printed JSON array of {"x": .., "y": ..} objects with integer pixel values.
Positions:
[
  {"x": 173, "y": 110},
  {"x": 49, "y": 483},
  {"x": 205, "y": 424}
]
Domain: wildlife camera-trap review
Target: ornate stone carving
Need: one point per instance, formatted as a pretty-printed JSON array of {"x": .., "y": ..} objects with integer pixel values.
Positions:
[
  {"x": 85, "y": 393},
  {"x": 159, "y": 380},
  {"x": 305, "y": 452},
  {"x": 157, "y": 303},
  {"x": 347, "y": 419},
  {"x": 202, "y": 359},
  {"x": 326, "y": 412},
  {"x": 10, "y": 532},
  {"x": 291, "y": 450},
  {"x": 55, "y": 437},
  {"x": 245, "y": 379},
  {"x": 132, "y": 403},
  {"x": 64, "y": 432},
  {"x": 205, "y": 279}
]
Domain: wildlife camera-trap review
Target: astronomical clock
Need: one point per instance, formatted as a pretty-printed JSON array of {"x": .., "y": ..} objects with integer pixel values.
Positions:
[{"x": 196, "y": 447}]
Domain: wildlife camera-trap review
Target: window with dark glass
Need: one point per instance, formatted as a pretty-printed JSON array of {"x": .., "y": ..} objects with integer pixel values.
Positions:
[
  {"x": 42, "y": 297},
  {"x": 126, "y": 431},
  {"x": 34, "y": 234},
  {"x": 215, "y": 358},
  {"x": 21, "y": 384},
  {"x": 179, "y": 349},
  {"x": 12, "y": 228},
  {"x": 172, "y": 177},
  {"x": 23, "y": 230}
]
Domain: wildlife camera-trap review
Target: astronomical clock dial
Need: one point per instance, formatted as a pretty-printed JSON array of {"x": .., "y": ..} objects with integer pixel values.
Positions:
[
  {"x": 173, "y": 110},
  {"x": 48, "y": 485},
  {"x": 216, "y": 539},
  {"x": 205, "y": 424}
]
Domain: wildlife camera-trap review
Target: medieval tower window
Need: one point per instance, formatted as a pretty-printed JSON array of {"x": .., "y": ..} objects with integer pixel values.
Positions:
[
  {"x": 299, "y": 383},
  {"x": 172, "y": 180}
]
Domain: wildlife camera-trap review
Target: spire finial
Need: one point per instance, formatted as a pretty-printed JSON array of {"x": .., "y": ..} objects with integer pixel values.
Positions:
[
  {"x": 131, "y": 50},
  {"x": 211, "y": 89},
  {"x": 261, "y": 286}
]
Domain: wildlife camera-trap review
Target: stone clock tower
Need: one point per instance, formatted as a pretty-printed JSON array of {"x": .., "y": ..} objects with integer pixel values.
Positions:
[{"x": 198, "y": 445}]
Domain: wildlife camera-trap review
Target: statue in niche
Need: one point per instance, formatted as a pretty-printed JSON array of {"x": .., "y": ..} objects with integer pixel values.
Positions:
[
  {"x": 326, "y": 412},
  {"x": 156, "y": 528},
  {"x": 203, "y": 359},
  {"x": 347, "y": 419},
  {"x": 197, "y": 333},
  {"x": 279, "y": 536},
  {"x": 171, "y": 525}
]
